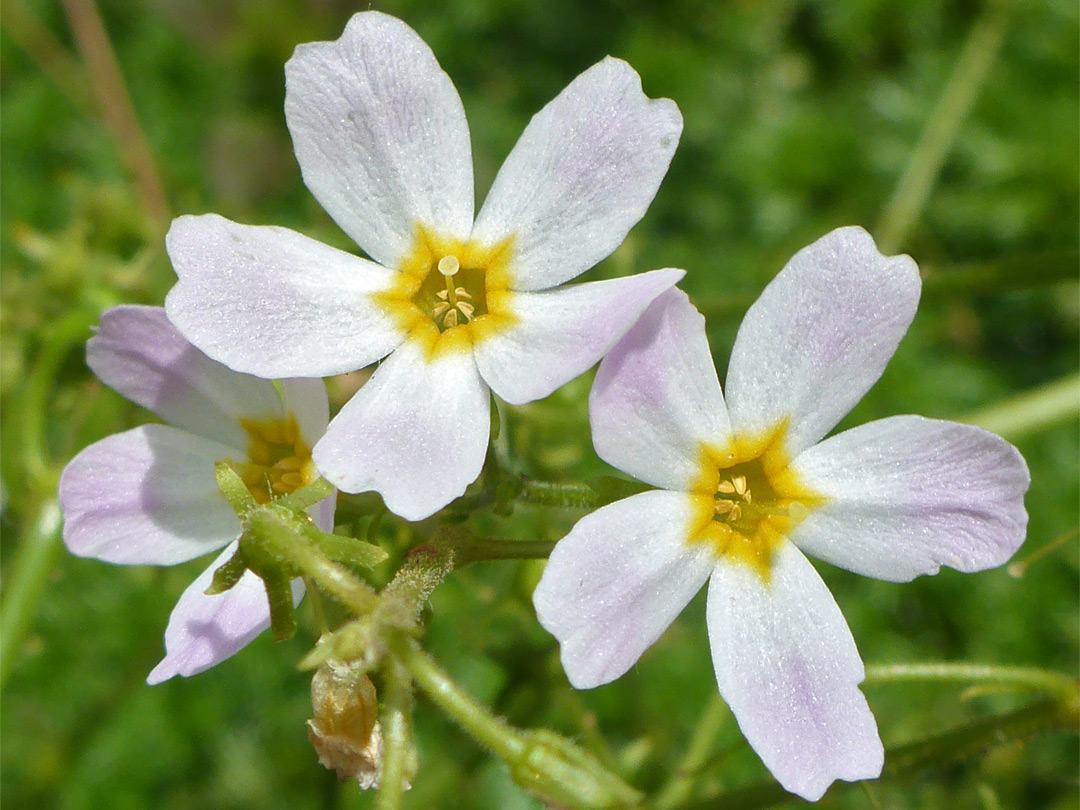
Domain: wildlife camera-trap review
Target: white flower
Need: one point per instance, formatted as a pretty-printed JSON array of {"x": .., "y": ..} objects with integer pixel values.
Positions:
[
  {"x": 459, "y": 306},
  {"x": 748, "y": 485},
  {"x": 148, "y": 496}
]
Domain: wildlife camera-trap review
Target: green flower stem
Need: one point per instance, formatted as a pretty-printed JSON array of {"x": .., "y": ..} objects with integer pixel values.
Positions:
[
  {"x": 397, "y": 738},
  {"x": 546, "y": 493},
  {"x": 27, "y": 576},
  {"x": 680, "y": 785},
  {"x": 977, "y": 56},
  {"x": 905, "y": 761},
  {"x": 1018, "y": 678},
  {"x": 1019, "y": 416},
  {"x": 492, "y": 732},
  {"x": 422, "y": 572},
  {"x": 542, "y": 762},
  {"x": 275, "y": 529},
  {"x": 597, "y": 492},
  {"x": 468, "y": 547}
]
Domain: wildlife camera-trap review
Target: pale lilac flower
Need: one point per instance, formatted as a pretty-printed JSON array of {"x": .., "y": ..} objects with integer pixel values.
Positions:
[
  {"x": 460, "y": 306},
  {"x": 747, "y": 485},
  {"x": 149, "y": 496}
]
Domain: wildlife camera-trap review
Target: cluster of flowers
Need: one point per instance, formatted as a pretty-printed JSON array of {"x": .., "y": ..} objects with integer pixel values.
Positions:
[{"x": 456, "y": 306}]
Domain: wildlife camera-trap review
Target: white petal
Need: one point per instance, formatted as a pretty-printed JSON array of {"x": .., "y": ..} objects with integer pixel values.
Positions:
[
  {"x": 819, "y": 337},
  {"x": 788, "y": 668},
  {"x": 205, "y": 630},
  {"x": 617, "y": 580},
  {"x": 558, "y": 334},
  {"x": 147, "y": 496},
  {"x": 268, "y": 301},
  {"x": 581, "y": 176},
  {"x": 380, "y": 135},
  {"x": 416, "y": 432},
  {"x": 908, "y": 495},
  {"x": 656, "y": 397},
  {"x": 138, "y": 352}
]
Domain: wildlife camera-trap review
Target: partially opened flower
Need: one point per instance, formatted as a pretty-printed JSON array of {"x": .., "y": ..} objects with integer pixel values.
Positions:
[
  {"x": 747, "y": 485},
  {"x": 459, "y": 306},
  {"x": 148, "y": 496}
]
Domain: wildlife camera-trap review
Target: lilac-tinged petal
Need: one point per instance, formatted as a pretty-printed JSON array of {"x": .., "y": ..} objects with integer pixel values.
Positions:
[
  {"x": 656, "y": 397},
  {"x": 146, "y": 496},
  {"x": 268, "y": 301},
  {"x": 205, "y": 630},
  {"x": 416, "y": 432},
  {"x": 138, "y": 352},
  {"x": 558, "y": 334},
  {"x": 788, "y": 668},
  {"x": 908, "y": 495},
  {"x": 617, "y": 580},
  {"x": 819, "y": 337},
  {"x": 581, "y": 176},
  {"x": 380, "y": 135}
]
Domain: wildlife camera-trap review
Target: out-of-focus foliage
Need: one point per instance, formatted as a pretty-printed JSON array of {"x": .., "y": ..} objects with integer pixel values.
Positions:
[{"x": 800, "y": 117}]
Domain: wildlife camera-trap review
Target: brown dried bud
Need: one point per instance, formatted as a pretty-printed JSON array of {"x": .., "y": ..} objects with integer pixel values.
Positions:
[{"x": 345, "y": 730}]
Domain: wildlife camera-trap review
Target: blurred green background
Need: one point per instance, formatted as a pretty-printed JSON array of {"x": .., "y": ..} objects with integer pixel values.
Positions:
[{"x": 949, "y": 129}]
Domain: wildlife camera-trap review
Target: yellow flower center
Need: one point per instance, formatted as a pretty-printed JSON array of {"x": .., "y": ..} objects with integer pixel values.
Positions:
[
  {"x": 749, "y": 500},
  {"x": 450, "y": 294},
  {"x": 279, "y": 460}
]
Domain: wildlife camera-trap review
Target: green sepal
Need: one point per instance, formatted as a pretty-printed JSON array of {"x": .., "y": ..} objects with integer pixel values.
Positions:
[
  {"x": 282, "y": 613},
  {"x": 611, "y": 489},
  {"x": 317, "y": 490},
  {"x": 233, "y": 488},
  {"x": 228, "y": 574},
  {"x": 346, "y": 550}
]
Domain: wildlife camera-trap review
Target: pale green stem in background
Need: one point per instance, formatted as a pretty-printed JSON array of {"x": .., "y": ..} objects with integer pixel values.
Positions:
[
  {"x": 116, "y": 108},
  {"x": 397, "y": 738},
  {"x": 29, "y": 570},
  {"x": 28, "y": 575},
  {"x": 1054, "y": 403},
  {"x": 680, "y": 785},
  {"x": 28, "y": 32},
  {"x": 977, "y": 56},
  {"x": 1025, "y": 679}
]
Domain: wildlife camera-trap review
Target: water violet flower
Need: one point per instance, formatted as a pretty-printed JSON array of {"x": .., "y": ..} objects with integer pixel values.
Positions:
[
  {"x": 148, "y": 496},
  {"x": 456, "y": 306},
  {"x": 747, "y": 485}
]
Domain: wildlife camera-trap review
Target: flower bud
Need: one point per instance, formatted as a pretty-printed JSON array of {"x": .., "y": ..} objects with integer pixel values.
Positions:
[{"x": 345, "y": 730}]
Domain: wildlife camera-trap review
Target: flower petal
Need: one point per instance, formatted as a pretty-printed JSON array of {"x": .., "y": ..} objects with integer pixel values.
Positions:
[
  {"x": 656, "y": 397},
  {"x": 306, "y": 399},
  {"x": 617, "y": 580},
  {"x": 138, "y": 352},
  {"x": 558, "y": 334},
  {"x": 268, "y": 301},
  {"x": 819, "y": 337},
  {"x": 146, "y": 496},
  {"x": 380, "y": 135},
  {"x": 908, "y": 495},
  {"x": 581, "y": 176},
  {"x": 788, "y": 668},
  {"x": 205, "y": 630},
  {"x": 416, "y": 432}
]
